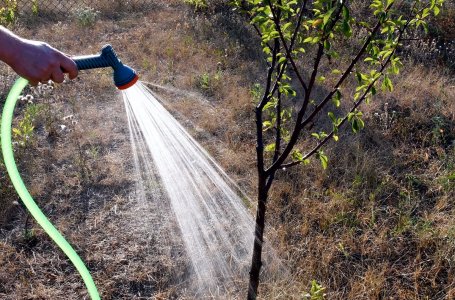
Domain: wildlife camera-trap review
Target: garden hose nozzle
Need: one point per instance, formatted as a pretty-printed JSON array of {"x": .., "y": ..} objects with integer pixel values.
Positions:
[{"x": 124, "y": 76}]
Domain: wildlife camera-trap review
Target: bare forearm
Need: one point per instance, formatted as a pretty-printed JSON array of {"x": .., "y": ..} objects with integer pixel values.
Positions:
[
  {"x": 34, "y": 60},
  {"x": 9, "y": 42}
]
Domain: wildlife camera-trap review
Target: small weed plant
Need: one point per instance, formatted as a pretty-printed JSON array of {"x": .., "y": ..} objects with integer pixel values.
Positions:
[
  {"x": 316, "y": 292},
  {"x": 208, "y": 83},
  {"x": 204, "y": 81},
  {"x": 23, "y": 134},
  {"x": 86, "y": 16},
  {"x": 8, "y": 12}
]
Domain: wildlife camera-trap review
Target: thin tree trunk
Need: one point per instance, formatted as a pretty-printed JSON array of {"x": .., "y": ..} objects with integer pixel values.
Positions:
[{"x": 256, "y": 262}]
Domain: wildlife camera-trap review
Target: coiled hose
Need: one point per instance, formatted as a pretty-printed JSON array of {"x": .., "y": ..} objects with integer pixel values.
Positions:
[{"x": 8, "y": 157}]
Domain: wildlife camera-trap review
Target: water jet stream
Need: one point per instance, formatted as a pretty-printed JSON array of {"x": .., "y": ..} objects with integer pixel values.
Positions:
[{"x": 213, "y": 220}]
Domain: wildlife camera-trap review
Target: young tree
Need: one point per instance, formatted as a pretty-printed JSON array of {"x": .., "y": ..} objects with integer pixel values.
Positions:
[{"x": 304, "y": 42}]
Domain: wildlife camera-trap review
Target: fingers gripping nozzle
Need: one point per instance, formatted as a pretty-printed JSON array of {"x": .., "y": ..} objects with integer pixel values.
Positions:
[{"x": 124, "y": 76}]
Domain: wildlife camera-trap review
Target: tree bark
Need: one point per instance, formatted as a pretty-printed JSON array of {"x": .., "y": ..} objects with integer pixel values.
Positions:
[{"x": 256, "y": 262}]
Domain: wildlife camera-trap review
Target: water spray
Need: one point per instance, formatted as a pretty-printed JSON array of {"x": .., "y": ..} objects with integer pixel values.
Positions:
[{"x": 124, "y": 77}]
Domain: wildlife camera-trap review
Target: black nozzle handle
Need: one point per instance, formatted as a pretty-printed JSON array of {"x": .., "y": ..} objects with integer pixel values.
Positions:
[
  {"x": 107, "y": 58},
  {"x": 90, "y": 62}
]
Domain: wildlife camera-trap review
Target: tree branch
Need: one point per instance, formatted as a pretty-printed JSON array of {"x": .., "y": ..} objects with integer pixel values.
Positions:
[
  {"x": 345, "y": 75},
  {"x": 355, "y": 106},
  {"x": 278, "y": 129},
  {"x": 283, "y": 41},
  {"x": 258, "y": 31},
  {"x": 266, "y": 96},
  {"x": 294, "y": 36},
  {"x": 260, "y": 106},
  {"x": 297, "y": 128}
]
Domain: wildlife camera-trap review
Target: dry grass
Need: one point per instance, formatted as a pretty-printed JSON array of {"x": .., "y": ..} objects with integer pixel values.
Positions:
[{"x": 378, "y": 224}]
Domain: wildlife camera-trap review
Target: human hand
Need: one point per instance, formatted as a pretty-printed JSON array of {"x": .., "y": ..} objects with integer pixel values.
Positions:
[{"x": 39, "y": 62}]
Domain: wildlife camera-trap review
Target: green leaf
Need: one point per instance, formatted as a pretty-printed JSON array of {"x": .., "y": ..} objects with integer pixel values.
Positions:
[
  {"x": 323, "y": 158},
  {"x": 357, "y": 124},
  {"x": 327, "y": 16},
  {"x": 308, "y": 39},
  {"x": 297, "y": 155},
  {"x": 266, "y": 125},
  {"x": 282, "y": 60},
  {"x": 358, "y": 76},
  {"x": 270, "y": 147},
  {"x": 387, "y": 84},
  {"x": 316, "y": 39},
  {"x": 436, "y": 10},
  {"x": 390, "y": 2},
  {"x": 269, "y": 105},
  {"x": 345, "y": 12},
  {"x": 426, "y": 12},
  {"x": 327, "y": 45},
  {"x": 337, "y": 98},
  {"x": 274, "y": 34},
  {"x": 332, "y": 117},
  {"x": 373, "y": 91},
  {"x": 286, "y": 26},
  {"x": 345, "y": 26}
]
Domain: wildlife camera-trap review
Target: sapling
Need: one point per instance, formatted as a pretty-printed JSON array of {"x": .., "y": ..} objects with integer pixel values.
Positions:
[{"x": 308, "y": 78}]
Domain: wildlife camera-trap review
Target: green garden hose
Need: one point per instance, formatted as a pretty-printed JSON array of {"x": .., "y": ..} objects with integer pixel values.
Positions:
[{"x": 8, "y": 157}]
